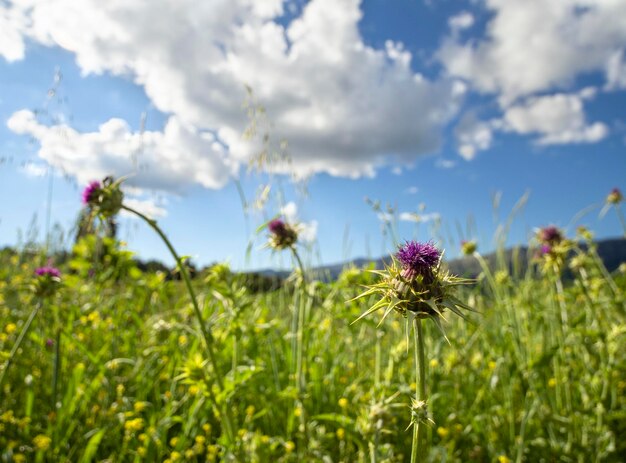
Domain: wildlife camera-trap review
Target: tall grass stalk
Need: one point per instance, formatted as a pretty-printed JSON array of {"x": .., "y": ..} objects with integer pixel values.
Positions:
[{"x": 18, "y": 342}]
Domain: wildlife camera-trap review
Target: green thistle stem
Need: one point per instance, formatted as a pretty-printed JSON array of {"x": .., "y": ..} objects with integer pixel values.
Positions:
[
  {"x": 57, "y": 369},
  {"x": 206, "y": 334},
  {"x": 418, "y": 448},
  {"x": 18, "y": 342},
  {"x": 299, "y": 322}
]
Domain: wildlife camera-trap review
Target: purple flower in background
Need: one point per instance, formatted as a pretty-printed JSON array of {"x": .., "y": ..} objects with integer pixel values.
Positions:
[
  {"x": 283, "y": 235},
  {"x": 550, "y": 235},
  {"x": 89, "y": 191},
  {"x": 48, "y": 271},
  {"x": 276, "y": 226},
  {"x": 417, "y": 258},
  {"x": 615, "y": 196}
]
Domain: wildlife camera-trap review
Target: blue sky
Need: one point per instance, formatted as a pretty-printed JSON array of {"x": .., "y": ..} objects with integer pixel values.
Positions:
[{"x": 432, "y": 107}]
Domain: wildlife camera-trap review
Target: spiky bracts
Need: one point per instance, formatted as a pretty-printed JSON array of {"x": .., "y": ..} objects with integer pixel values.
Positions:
[{"x": 417, "y": 286}]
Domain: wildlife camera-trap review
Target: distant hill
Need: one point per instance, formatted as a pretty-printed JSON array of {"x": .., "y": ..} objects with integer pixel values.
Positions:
[{"x": 611, "y": 251}]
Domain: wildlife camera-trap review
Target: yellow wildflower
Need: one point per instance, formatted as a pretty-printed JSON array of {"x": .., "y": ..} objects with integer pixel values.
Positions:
[{"x": 42, "y": 442}]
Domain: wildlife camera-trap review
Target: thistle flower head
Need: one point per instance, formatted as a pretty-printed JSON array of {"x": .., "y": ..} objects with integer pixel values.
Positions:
[
  {"x": 468, "y": 247},
  {"x": 415, "y": 283},
  {"x": 91, "y": 191},
  {"x": 615, "y": 196},
  {"x": 282, "y": 235},
  {"x": 47, "y": 282},
  {"x": 48, "y": 271},
  {"x": 417, "y": 258},
  {"x": 104, "y": 198},
  {"x": 550, "y": 235}
]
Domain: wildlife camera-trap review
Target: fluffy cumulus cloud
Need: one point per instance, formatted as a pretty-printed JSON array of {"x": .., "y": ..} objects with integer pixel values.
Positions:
[
  {"x": 473, "y": 135},
  {"x": 536, "y": 45},
  {"x": 307, "y": 231},
  {"x": 557, "y": 119},
  {"x": 343, "y": 107},
  {"x": 529, "y": 49},
  {"x": 153, "y": 160}
]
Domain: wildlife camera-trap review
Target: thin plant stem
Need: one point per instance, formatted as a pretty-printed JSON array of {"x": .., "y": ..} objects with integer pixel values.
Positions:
[
  {"x": 18, "y": 342},
  {"x": 620, "y": 215},
  {"x": 418, "y": 447},
  {"x": 57, "y": 369},
  {"x": 206, "y": 334}
]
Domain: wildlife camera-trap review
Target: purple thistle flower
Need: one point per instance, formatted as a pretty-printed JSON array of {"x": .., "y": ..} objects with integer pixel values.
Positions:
[
  {"x": 48, "y": 271},
  {"x": 89, "y": 191},
  {"x": 550, "y": 235},
  {"x": 277, "y": 227},
  {"x": 283, "y": 235},
  {"x": 49, "y": 343},
  {"x": 546, "y": 249},
  {"x": 417, "y": 258}
]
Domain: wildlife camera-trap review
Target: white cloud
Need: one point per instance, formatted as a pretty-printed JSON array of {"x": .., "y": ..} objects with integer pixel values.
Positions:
[
  {"x": 344, "y": 107},
  {"x": 557, "y": 119},
  {"x": 412, "y": 190},
  {"x": 461, "y": 21},
  {"x": 307, "y": 231},
  {"x": 616, "y": 71},
  {"x": 472, "y": 135},
  {"x": 35, "y": 170},
  {"x": 532, "y": 46},
  {"x": 12, "y": 26},
  {"x": 419, "y": 218},
  {"x": 167, "y": 160},
  {"x": 145, "y": 206}
]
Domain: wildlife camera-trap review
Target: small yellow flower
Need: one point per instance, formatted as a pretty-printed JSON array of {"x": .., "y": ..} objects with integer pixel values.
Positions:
[
  {"x": 10, "y": 328},
  {"x": 341, "y": 433},
  {"x": 140, "y": 406},
  {"x": 174, "y": 441},
  {"x": 297, "y": 412},
  {"x": 552, "y": 382},
  {"x": 206, "y": 427},
  {"x": 175, "y": 456},
  {"x": 343, "y": 402},
  {"x": 443, "y": 432},
  {"x": 434, "y": 363},
  {"x": 19, "y": 458},
  {"x": 182, "y": 340},
  {"x": 289, "y": 446},
  {"x": 200, "y": 439},
  {"x": 193, "y": 389},
  {"x": 503, "y": 459},
  {"x": 141, "y": 451},
  {"x": 250, "y": 411},
  {"x": 134, "y": 425},
  {"x": 189, "y": 454},
  {"x": 42, "y": 442},
  {"x": 492, "y": 365}
]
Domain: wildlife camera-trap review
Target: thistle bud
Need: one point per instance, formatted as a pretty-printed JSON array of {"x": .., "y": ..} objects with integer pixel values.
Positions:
[
  {"x": 104, "y": 198},
  {"x": 468, "y": 247},
  {"x": 282, "y": 235},
  {"x": 615, "y": 196},
  {"x": 48, "y": 281}
]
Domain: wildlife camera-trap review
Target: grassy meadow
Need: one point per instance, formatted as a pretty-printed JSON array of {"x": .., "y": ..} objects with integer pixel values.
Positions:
[{"x": 115, "y": 367}]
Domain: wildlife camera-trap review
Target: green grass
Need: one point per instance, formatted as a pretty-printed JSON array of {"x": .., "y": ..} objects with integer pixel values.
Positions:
[{"x": 539, "y": 374}]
